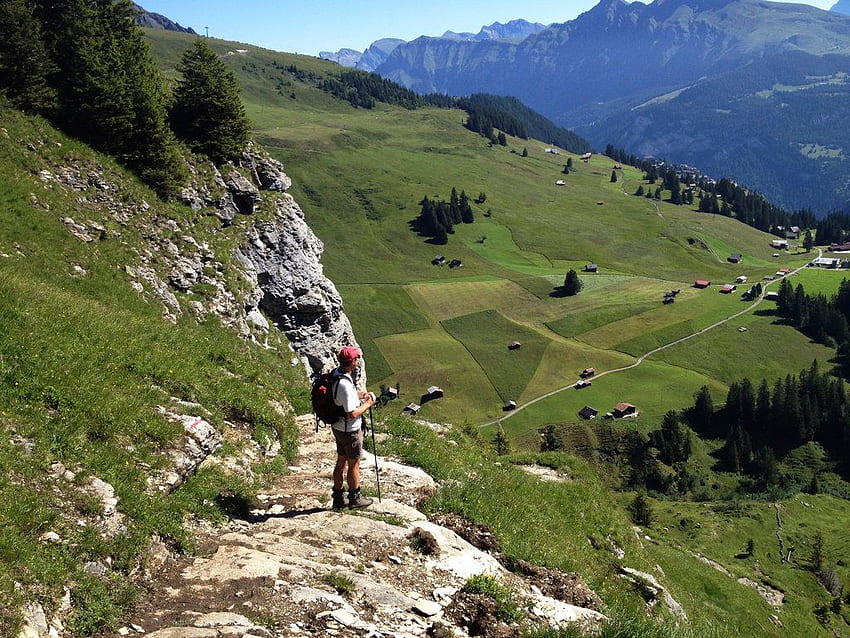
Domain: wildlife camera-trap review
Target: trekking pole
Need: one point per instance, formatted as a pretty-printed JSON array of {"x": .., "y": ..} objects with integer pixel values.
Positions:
[{"x": 375, "y": 452}]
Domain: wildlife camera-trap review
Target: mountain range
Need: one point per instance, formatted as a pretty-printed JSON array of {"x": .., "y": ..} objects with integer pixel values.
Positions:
[
  {"x": 378, "y": 51},
  {"x": 727, "y": 85}
]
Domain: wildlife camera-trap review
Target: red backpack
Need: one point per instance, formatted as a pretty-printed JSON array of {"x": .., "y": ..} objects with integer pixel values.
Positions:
[{"x": 322, "y": 396}]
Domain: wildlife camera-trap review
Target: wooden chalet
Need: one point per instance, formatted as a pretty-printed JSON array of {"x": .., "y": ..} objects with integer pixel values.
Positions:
[
  {"x": 455, "y": 263},
  {"x": 622, "y": 410},
  {"x": 588, "y": 413},
  {"x": 728, "y": 288},
  {"x": 583, "y": 383},
  {"x": 702, "y": 283},
  {"x": 735, "y": 258},
  {"x": 434, "y": 392},
  {"x": 514, "y": 345},
  {"x": 509, "y": 405},
  {"x": 411, "y": 409},
  {"x": 439, "y": 260},
  {"x": 587, "y": 372},
  {"x": 591, "y": 268}
]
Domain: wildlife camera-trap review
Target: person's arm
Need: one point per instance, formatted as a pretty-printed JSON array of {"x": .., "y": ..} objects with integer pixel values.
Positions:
[{"x": 367, "y": 401}]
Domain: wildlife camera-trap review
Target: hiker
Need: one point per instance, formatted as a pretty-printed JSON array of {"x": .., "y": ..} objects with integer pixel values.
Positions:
[{"x": 348, "y": 430}]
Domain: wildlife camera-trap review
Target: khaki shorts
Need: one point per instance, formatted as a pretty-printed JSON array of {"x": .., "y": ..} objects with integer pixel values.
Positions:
[{"x": 349, "y": 444}]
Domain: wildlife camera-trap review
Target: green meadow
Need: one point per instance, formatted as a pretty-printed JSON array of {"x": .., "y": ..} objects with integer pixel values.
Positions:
[{"x": 359, "y": 174}]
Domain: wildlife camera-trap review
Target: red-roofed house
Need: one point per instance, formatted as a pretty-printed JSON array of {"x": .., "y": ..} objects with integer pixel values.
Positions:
[
  {"x": 701, "y": 283},
  {"x": 622, "y": 410}
]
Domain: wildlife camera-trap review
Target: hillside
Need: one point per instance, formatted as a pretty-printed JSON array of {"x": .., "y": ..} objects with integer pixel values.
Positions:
[
  {"x": 368, "y": 169},
  {"x": 149, "y": 403},
  {"x": 360, "y": 174},
  {"x": 590, "y": 73}
]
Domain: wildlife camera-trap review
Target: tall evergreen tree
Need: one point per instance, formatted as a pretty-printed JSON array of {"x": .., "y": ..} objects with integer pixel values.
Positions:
[
  {"x": 207, "y": 112},
  {"x": 25, "y": 65},
  {"x": 572, "y": 283},
  {"x": 110, "y": 92}
]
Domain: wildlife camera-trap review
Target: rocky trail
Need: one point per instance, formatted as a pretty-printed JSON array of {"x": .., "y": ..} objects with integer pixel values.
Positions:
[{"x": 294, "y": 567}]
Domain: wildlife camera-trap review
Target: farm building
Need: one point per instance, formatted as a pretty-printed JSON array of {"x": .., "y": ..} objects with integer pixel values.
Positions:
[
  {"x": 391, "y": 393},
  {"x": 587, "y": 156},
  {"x": 560, "y": 182},
  {"x": 514, "y": 345},
  {"x": 588, "y": 413},
  {"x": 434, "y": 392},
  {"x": 582, "y": 383},
  {"x": 735, "y": 258},
  {"x": 591, "y": 268},
  {"x": 411, "y": 409},
  {"x": 741, "y": 279},
  {"x": 779, "y": 243},
  {"x": 455, "y": 263},
  {"x": 623, "y": 410},
  {"x": 772, "y": 296},
  {"x": 587, "y": 372},
  {"x": 439, "y": 260},
  {"x": 826, "y": 262},
  {"x": 840, "y": 248},
  {"x": 728, "y": 288},
  {"x": 702, "y": 283},
  {"x": 509, "y": 405}
]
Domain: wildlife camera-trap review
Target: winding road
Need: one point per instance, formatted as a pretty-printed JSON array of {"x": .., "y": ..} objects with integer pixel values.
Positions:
[{"x": 642, "y": 357}]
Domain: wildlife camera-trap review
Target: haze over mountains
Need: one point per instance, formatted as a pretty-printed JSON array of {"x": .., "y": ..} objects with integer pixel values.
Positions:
[
  {"x": 754, "y": 90},
  {"x": 378, "y": 51}
]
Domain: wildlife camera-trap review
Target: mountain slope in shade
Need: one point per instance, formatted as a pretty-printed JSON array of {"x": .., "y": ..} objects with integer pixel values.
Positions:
[
  {"x": 591, "y": 74},
  {"x": 514, "y": 31},
  {"x": 377, "y": 52},
  {"x": 842, "y": 6}
]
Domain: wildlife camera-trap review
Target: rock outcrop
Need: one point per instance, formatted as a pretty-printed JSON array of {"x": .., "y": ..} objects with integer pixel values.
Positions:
[{"x": 294, "y": 567}]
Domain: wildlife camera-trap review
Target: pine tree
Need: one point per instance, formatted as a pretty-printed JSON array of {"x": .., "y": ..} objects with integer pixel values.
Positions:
[
  {"x": 703, "y": 409},
  {"x": 613, "y": 176},
  {"x": 207, "y": 112},
  {"x": 524, "y": 152},
  {"x": 551, "y": 440},
  {"x": 572, "y": 283},
  {"x": 110, "y": 92},
  {"x": 25, "y": 66},
  {"x": 808, "y": 241},
  {"x": 466, "y": 214},
  {"x": 641, "y": 510}
]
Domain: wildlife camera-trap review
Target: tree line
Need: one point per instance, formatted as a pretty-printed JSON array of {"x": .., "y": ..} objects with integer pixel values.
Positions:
[
  {"x": 438, "y": 218},
  {"x": 762, "y": 425},
  {"x": 722, "y": 196},
  {"x": 85, "y": 65}
]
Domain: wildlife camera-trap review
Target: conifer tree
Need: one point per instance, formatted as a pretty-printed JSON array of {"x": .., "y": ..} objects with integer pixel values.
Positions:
[
  {"x": 110, "y": 92},
  {"x": 207, "y": 112},
  {"x": 572, "y": 283},
  {"x": 25, "y": 66}
]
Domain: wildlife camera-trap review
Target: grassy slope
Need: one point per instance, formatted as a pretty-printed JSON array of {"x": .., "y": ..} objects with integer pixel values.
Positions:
[
  {"x": 85, "y": 364},
  {"x": 358, "y": 175}
]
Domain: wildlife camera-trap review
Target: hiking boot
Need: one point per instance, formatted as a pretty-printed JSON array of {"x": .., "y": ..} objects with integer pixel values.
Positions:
[
  {"x": 356, "y": 499},
  {"x": 338, "y": 499}
]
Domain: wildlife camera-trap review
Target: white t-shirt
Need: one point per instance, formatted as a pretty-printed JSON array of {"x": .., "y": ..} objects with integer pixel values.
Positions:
[{"x": 345, "y": 396}]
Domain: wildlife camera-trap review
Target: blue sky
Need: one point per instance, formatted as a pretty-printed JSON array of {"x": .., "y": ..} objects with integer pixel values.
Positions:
[{"x": 301, "y": 26}]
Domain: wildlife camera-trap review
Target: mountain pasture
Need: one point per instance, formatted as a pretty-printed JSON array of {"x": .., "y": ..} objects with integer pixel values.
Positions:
[{"x": 359, "y": 175}]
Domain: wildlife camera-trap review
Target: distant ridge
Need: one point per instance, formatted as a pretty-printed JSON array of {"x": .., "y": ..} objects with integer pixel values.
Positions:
[
  {"x": 513, "y": 31},
  {"x": 842, "y": 6},
  {"x": 158, "y": 21}
]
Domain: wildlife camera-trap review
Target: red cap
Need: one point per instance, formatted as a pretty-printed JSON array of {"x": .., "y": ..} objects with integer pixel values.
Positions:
[{"x": 348, "y": 354}]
